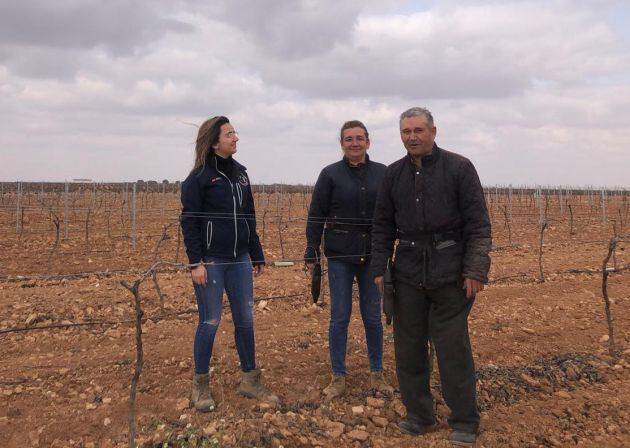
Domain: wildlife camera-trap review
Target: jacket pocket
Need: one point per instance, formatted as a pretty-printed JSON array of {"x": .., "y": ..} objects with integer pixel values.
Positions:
[
  {"x": 345, "y": 242},
  {"x": 446, "y": 263}
]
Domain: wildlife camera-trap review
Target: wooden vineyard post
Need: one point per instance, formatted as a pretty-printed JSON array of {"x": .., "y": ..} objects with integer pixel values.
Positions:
[
  {"x": 87, "y": 231},
  {"x": 280, "y": 235},
  {"x": 507, "y": 223},
  {"x": 133, "y": 217},
  {"x": 609, "y": 320},
  {"x": 603, "y": 194},
  {"x": 543, "y": 226},
  {"x": 65, "y": 211},
  {"x": 131, "y": 415},
  {"x": 18, "y": 200}
]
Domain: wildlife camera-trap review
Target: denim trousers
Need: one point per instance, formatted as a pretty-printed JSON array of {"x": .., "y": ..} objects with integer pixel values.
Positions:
[
  {"x": 440, "y": 314},
  {"x": 235, "y": 277},
  {"x": 340, "y": 277}
]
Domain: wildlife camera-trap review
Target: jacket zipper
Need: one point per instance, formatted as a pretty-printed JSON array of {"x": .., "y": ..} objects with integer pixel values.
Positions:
[
  {"x": 209, "y": 238},
  {"x": 248, "y": 231},
  {"x": 233, "y": 203}
]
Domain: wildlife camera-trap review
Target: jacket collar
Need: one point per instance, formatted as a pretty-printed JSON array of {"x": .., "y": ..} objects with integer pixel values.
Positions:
[
  {"x": 347, "y": 162},
  {"x": 237, "y": 165},
  {"x": 429, "y": 159}
]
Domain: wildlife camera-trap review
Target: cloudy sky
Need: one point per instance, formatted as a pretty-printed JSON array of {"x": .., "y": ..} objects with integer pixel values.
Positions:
[{"x": 533, "y": 92}]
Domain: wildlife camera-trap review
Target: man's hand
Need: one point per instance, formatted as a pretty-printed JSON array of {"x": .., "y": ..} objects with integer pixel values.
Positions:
[
  {"x": 472, "y": 287},
  {"x": 310, "y": 267},
  {"x": 259, "y": 269},
  {"x": 199, "y": 275},
  {"x": 380, "y": 284}
]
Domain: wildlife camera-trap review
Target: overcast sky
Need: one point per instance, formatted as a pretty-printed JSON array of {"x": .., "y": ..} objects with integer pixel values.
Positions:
[{"x": 533, "y": 92}]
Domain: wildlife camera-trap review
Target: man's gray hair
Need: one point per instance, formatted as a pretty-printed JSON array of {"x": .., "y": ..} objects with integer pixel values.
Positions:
[{"x": 417, "y": 112}]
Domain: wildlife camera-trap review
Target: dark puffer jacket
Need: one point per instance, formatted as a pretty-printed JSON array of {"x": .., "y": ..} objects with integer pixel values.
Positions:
[
  {"x": 343, "y": 203},
  {"x": 439, "y": 215},
  {"x": 218, "y": 217}
]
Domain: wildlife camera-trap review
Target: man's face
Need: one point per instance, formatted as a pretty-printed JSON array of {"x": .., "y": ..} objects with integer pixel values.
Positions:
[
  {"x": 354, "y": 144},
  {"x": 417, "y": 136}
]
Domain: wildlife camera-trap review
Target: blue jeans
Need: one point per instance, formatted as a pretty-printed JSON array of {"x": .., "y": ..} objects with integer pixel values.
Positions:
[
  {"x": 340, "y": 276},
  {"x": 236, "y": 279}
]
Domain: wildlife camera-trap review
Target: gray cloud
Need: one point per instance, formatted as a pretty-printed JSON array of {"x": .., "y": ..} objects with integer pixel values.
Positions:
[
  {"x": 118, "y": 26},
  {"x": 522, "y": 88}
]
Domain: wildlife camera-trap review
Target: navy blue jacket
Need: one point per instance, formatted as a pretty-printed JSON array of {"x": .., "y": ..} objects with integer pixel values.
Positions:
[
  {"x": 343, "y": 203},
  {"x": 218, "y": 217}
]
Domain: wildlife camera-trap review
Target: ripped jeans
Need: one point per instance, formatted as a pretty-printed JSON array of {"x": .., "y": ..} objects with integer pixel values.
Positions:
[{"x": 236, "y": 280}]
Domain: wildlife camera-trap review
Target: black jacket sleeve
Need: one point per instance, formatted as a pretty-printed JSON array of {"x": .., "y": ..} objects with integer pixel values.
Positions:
[
  {"x": 477, "y": 230},
  {"x": 318, "y": 211},
  {"x": 191, "y": 218},
  {"x": 255, "y": 248},
  {"x": 383, "y": 227}
]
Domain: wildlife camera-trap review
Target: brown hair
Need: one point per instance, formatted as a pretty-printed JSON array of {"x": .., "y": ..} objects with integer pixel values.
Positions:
[
  {"x": 207, "y": 136},
  {"x": 353, "y": 124}
]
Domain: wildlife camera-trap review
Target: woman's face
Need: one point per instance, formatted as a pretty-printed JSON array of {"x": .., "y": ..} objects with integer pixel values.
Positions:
[
  {"x": 355, "y": 144},
  {"x": 226, "y": 146}
]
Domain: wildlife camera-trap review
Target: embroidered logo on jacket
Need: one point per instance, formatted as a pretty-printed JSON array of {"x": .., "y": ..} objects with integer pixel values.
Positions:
[{"x": 242, "y": 179}]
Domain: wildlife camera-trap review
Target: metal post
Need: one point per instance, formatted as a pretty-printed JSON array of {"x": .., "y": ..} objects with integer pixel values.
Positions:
[
  {"x": 133, "y": 217},
  {"x": 65, "y": 211},
  {"x": 561, "y": 205},
  {"x": 18, "y": 200},
  {"x": 603, "y": 206}
]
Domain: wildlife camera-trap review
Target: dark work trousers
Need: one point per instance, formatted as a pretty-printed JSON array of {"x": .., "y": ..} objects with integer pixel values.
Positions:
[{"x": 442, "y": 315}]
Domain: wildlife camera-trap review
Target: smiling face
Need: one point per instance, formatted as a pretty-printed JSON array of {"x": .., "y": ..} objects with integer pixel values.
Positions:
[
  {"x": 417, "y": 136},
  {"x": 355, "y": 144},
  {"x": 226, "y": 146}
]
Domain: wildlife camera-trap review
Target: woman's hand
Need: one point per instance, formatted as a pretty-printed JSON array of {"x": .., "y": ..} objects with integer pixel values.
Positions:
[
  {"x": 199, "y": 275},
  {"x": 259, "y": 269}
]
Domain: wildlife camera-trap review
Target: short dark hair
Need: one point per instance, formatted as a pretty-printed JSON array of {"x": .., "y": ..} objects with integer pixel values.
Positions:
[{"x": 353, "y": 124}]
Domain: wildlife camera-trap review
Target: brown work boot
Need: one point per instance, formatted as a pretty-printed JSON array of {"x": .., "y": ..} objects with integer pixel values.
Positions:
[
  {"x": 336, "y": 388},
  {"x": 380, "y": 384},
  {"x": 251, "y": 387},
  {"x": 200, "y": 397}
]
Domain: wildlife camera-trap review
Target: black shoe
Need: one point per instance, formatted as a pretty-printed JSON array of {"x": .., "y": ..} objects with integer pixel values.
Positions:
[
  {"x": 462, "y": 438},
  {"x": 413, "y": 427}
]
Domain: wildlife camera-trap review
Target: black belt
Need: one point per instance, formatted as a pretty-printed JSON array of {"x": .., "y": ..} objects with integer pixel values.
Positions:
[{"x": 428, "y": 239}]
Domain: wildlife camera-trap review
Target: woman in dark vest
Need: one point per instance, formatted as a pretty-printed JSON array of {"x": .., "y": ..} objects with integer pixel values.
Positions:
[
  {"x": 219, "y": 227},
  {"x": 341, "y": 209}
]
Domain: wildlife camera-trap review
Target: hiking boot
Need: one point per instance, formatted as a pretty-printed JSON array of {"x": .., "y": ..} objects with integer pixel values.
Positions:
[
  {"x": 462, "y": 438},
  {"x": 380, "y": 384},
  {"x": 336, "y": 388},
  {"x": 413, "y": 427},
  {"x": 251, "y": 387},
  {"x": 200, "y": 396}
]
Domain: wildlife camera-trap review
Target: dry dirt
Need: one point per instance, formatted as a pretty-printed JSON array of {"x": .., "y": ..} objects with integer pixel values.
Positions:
[{"x": 545, "y": 374}]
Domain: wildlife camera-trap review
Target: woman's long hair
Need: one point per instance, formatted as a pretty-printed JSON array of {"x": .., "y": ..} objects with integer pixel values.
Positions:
[{"x": 208, "y": 136}]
